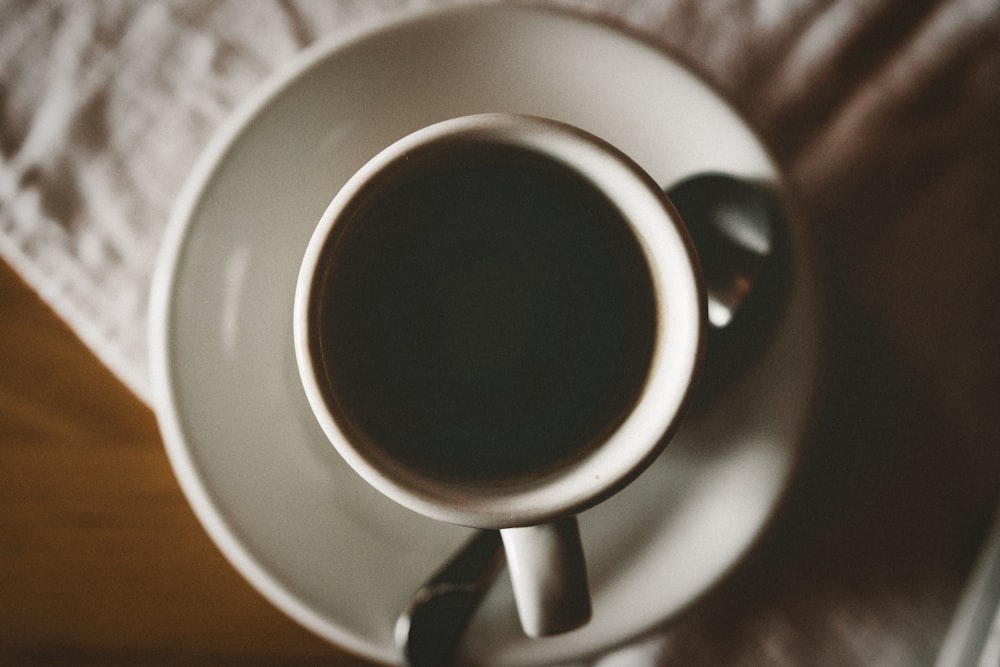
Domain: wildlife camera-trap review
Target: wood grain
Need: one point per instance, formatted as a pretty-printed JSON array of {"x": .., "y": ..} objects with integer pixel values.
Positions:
[{"x": 102, "y": 562}]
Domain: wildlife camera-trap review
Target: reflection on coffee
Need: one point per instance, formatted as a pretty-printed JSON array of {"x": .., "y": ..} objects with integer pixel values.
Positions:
[{"x": 487, "y": 317}]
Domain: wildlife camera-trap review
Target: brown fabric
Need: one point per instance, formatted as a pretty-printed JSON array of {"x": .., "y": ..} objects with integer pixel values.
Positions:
[{"x": 886, "y": 117}]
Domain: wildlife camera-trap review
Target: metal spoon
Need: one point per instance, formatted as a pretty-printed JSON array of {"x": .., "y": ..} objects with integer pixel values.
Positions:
[
  {"x": 431, "y": 625},
  {"x": 737, "y": 229}
]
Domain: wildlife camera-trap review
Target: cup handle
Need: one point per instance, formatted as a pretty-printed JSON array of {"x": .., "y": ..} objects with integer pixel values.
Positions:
[{"x": 549, "y": 576}]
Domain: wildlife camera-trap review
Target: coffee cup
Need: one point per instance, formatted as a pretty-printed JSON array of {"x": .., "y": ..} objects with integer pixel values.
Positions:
[{"x": 499, "y": 320}]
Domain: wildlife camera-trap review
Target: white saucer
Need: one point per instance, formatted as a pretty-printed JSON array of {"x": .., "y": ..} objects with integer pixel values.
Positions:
[{"x": 300, "y": 525}]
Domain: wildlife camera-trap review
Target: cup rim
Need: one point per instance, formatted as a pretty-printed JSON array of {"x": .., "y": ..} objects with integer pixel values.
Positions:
[{"x": 676, "y": 361}]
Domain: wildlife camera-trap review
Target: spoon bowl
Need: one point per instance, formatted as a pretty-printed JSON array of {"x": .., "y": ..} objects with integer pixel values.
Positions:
[{"x": 740, "y": 234}]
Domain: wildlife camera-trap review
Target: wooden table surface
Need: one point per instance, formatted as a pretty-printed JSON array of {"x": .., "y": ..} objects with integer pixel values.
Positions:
[{"x": 102, "y": 561}]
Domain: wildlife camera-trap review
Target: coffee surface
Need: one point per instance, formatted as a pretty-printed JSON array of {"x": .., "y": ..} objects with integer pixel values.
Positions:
[{"x": 486, "y": 318}]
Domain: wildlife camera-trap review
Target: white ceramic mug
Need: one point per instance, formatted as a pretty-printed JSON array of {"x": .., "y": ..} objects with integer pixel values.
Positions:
[{"x": 498, "y": 322}]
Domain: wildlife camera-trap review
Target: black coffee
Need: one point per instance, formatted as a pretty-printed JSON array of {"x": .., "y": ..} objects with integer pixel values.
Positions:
[{"x": 487, "y": 317}]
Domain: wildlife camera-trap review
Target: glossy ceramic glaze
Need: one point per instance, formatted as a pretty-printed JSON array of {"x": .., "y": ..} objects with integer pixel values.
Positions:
[{"x": 546, "y": 565}]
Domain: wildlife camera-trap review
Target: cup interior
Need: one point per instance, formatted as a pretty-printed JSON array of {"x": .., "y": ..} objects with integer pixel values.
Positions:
[{"x": 498, "y": 320}]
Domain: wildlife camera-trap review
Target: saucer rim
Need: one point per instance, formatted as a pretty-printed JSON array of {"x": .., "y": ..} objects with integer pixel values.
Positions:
[{"x": 162, "y": 299}]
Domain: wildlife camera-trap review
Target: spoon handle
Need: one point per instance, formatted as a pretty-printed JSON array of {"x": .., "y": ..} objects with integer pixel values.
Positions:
[{"x": 435, "y": 619}]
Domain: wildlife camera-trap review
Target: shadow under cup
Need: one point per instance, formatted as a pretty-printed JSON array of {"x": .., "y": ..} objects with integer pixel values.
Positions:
[{"x": 483, "y": 314}]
